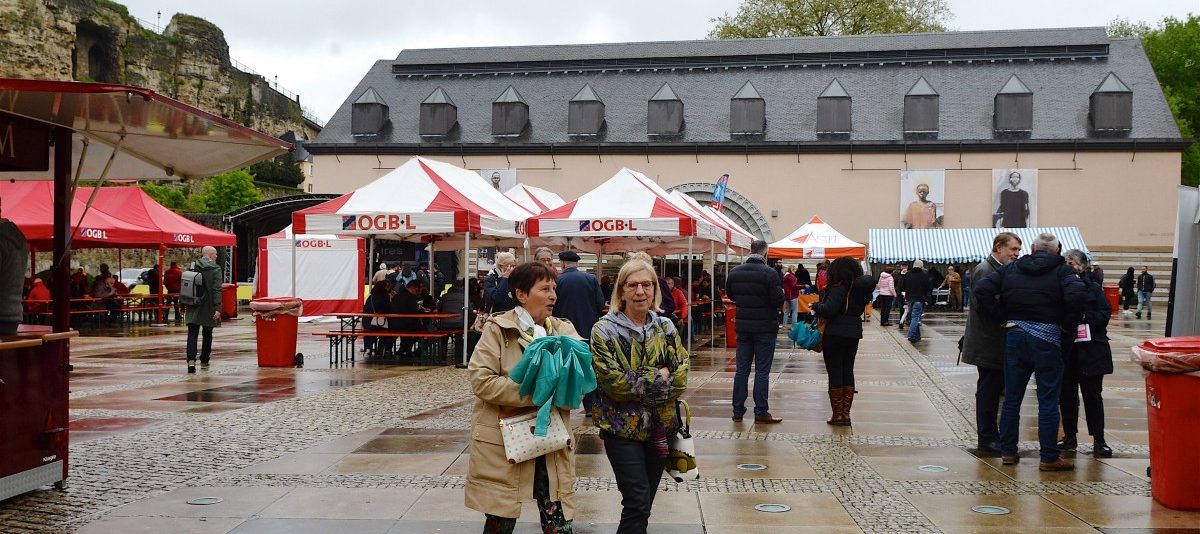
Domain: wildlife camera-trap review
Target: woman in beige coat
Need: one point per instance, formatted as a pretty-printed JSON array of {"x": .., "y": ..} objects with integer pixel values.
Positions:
[{"x": 494, "y": 486}]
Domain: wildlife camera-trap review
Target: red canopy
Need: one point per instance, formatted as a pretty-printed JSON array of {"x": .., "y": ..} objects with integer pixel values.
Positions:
[
  {"x": 134, "y": 206},
  {"x": 30, "y": 205}
]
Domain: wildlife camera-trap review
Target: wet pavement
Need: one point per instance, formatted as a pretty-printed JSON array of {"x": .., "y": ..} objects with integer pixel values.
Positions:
[{"x": 381, "y": 447}]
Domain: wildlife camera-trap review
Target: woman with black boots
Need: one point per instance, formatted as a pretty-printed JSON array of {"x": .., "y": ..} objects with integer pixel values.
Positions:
[
  {"x": 845, "y": 297},
  {"x": 1088, "y": 357}
]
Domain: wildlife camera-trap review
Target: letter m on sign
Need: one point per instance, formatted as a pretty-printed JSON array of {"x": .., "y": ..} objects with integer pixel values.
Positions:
[{"x": 348, "y": 222}]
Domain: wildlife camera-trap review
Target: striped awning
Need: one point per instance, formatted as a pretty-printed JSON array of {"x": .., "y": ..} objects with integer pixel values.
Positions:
[{"x": 956, "y": 245}]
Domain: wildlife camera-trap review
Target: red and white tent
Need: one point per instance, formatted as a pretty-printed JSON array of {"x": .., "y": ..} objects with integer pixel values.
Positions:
[
  {"x": 736, "y": 237},
  {"x": 30, "y": 205},
  {"x": 534, "y": 199},
  {"x": 132, "y": 205},
  {"x": 330, "y": 270},
  {"x": 417, "y": 200},
  {"x": 816, "y": 240},
  {"x": 627, "y": 212}
]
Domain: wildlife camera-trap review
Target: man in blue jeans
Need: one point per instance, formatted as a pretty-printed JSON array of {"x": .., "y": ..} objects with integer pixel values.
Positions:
[
  {"x": 758, "y": 293},
  {"x": 916, "y": 292},
  {"x": 1035, "y": 297}
]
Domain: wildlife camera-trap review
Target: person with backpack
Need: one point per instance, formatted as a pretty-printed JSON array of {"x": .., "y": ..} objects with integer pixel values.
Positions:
[{"x": 203, "y": 313}]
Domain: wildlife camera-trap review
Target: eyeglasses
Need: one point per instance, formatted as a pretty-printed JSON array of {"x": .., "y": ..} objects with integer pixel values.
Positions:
[{"x": 633, "y": 286}]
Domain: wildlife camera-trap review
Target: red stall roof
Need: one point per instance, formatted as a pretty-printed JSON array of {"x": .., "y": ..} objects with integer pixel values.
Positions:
[
  {"x": 30, "y": 205},
  {"x": 134, "y": 206}
]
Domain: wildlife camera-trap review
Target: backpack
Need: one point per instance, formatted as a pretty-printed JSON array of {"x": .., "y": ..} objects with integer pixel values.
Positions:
[{"x": 191, "y": 288}]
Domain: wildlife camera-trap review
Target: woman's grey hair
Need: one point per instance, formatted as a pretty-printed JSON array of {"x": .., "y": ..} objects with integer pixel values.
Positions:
[
  {"x": 1045, "y": 243},
  {"x": 540, "y": 250},
  {"x": 1078, "y": 257},
  {"x": 506, "y": 258}
]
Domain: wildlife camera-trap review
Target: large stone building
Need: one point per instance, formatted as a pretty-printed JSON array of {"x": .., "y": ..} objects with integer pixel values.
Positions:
[{"x": 804, "y": 126}]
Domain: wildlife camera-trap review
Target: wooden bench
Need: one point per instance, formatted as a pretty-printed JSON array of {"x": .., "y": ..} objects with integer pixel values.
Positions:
[{"x": 344, "y": 343}]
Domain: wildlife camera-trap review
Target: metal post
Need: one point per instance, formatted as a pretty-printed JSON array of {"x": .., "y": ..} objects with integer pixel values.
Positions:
[
  {"x": 689, "y": 264},
  {"x": 466, "y": 298},
  {"x": 61, "y": 264},
  {"x": 293, "y": 241},
  {"x": 712, "y": 289}
]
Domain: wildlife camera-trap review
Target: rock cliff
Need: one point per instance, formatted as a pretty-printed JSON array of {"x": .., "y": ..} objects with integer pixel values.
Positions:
[{"x": 97, "y": 40}]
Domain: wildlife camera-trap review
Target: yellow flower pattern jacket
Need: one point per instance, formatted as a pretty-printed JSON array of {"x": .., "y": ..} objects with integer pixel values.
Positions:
[{"x": 626, "y": 358}]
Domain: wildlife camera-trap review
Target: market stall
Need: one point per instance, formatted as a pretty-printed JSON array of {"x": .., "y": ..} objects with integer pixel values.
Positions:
[
  {"x": 330, "y": 270},
  {"x": 816, "y": 240},
  {"x": 96, "y": 131}
]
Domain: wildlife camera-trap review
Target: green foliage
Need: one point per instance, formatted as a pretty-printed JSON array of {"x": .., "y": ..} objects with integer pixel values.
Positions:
[
  {"x": 167, "y": 195},
  {"x": 119, "y": 9},
  {"x": 279, "y": 171},
  {"x": 224, "y": 193},
  {"x": 1173, "y": 47},
  {"x": 799, "y": 18}
]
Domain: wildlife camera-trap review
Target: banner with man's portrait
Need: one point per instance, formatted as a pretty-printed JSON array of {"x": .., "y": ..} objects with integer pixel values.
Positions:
[
  {"x": 501, "y": 179},
  {"x": 922, "y": 198},
  {"x": 1014, "y": 198}
]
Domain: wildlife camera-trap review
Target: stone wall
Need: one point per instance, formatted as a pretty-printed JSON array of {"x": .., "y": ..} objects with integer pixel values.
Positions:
[{"x": 97, "y": 40}]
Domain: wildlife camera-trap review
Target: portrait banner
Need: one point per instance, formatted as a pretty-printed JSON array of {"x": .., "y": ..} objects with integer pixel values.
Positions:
[
  {"x": 1014, "y": 198},
  {"x": 501, "y": 179},
  {"x": 922, "y": 198}
]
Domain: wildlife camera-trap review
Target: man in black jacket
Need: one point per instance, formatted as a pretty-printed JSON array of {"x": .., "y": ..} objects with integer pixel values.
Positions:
[
  {"x": 1145, "y": 289},
  {"x": 758, "y": 294},
  {"x": 1036, "y": 298},
  {"x": 916, "y": 292}
]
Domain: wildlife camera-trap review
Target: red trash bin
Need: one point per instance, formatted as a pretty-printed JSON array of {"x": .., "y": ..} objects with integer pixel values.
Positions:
[
  {"x": 730, "y": 330},
  {"x": 276, "y": 323},
  {"x": 229, "y": 300},
  {"x": 1112, "y": 292},
  {"x": 1172, "y": 405}
]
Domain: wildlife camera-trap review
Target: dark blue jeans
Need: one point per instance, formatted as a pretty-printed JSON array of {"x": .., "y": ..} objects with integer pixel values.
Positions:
[
  {"x": 916, "y": 310},
  {"x": 757, "y": 348},
  {"x": 1025, "y": 355}
]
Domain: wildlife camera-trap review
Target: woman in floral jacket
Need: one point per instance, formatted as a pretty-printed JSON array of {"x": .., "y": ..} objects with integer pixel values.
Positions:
[{"x": 641, "y": 369}]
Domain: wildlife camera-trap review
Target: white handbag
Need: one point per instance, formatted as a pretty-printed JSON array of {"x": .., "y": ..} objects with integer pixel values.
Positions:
[
  {"x": 520, "y": 444},
  {"x": 681, "y": 451}
]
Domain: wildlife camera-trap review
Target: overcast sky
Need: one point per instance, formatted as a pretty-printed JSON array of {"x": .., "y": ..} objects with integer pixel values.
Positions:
[{"x": 321, "y": 49}]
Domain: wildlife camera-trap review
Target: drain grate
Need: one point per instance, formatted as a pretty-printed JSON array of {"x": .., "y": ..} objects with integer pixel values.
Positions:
[
  {"x": 205, "y": 501},
  {"x": 988, "y": 509},
  {"x": 772, "y": 508}
]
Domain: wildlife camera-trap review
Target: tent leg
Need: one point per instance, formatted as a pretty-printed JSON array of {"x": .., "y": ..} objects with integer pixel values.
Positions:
[
  {"x": 293, "y": 240},
  {"x": 712, "y": 317},
  {"x": 158, "y": 311},
  {"x": 466, "y": 301},
  {"x": 689, "y": 325},
  {"x": 61, "y": 260}
]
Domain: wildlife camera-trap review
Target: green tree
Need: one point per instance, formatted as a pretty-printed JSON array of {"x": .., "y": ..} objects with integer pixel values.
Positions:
[
  {"x": 799, "y": 18},
  {"x": 169, "y": 196},
  {"x": 1173, "y": 48},
  {"x": 280, "y": 171},
  {"x": 224, "y": 193}
]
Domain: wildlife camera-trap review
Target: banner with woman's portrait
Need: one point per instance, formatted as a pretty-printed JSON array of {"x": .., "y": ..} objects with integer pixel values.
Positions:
[
  {"x": 1014, "y": 198},
  {"x": 922, "y": 198}
]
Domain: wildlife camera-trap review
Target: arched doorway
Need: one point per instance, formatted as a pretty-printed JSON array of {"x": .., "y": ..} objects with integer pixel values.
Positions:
[
  {"x": 736, "y": 207},
  {"x": 259, "y": 219}
]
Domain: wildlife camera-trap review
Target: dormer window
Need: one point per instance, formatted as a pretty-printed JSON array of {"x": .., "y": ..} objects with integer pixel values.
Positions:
[
  {"x": 921, "y": 111},
  {"x": 439, "y": 115},
  {"x": 664, "y": 114},
  {"x": 1111, "y": 107},
  {"x": 747, "y": 112},
  {"x": 368, "y": 114},
  {"x": 833, "y": 112},
  {"x": 1013, "y": 113},
  {"x": 510, "y": 114},
  {"x": 585, "y": 113}
]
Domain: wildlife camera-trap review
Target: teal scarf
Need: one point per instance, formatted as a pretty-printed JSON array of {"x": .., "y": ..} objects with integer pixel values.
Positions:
[{"x": 555, "y": 371}]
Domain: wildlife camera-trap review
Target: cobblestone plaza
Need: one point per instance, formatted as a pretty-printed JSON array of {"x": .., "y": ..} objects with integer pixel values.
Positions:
[{"x": 381, "y": 448}]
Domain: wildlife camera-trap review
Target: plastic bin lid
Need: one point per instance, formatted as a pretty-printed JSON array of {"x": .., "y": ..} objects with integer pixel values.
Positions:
[{"x": 1173, "y": 344}]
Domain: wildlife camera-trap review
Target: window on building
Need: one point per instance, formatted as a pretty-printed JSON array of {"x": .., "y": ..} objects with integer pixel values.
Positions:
[
  {"x": 664, "y": 115},
  {"x": 833, "y": 112},
  {"x": 1111, "y": 109},
  {"x": 747, "y": 112},
  {"x": 921, "y": 111},
  {"x": 439, "y": 115},
  {"x": 368, "y": 114},
  {"x": 585, "y": 113},
  {"x": 510, "y": 114},
  {"x": 1013, "y": 113}
]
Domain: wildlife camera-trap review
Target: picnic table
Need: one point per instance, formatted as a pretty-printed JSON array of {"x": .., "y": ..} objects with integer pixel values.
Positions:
[{"x": 342, "y": 342}]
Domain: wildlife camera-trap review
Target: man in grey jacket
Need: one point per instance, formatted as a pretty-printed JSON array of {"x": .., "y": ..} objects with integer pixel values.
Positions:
[
  {"x": 14, "y": 259},
  {"x": 983, "y": 347},
  {"x": 206, "y": 314}
]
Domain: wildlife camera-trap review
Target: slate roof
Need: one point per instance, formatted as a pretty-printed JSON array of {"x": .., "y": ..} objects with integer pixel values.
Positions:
[{"x": 1061, "y": 87}]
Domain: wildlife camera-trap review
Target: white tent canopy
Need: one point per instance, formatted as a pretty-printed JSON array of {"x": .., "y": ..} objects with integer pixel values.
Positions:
[
  {"x": 329, "y": 270},
  {"x": 418, "y": 199},
  {"x": 736, "y": 236},
  {"x": 956, "y": 245},
  {"x": 627, "y": 212},
  {"x": 534, "y": 199},
  {"x": 816, "y": 240}
]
